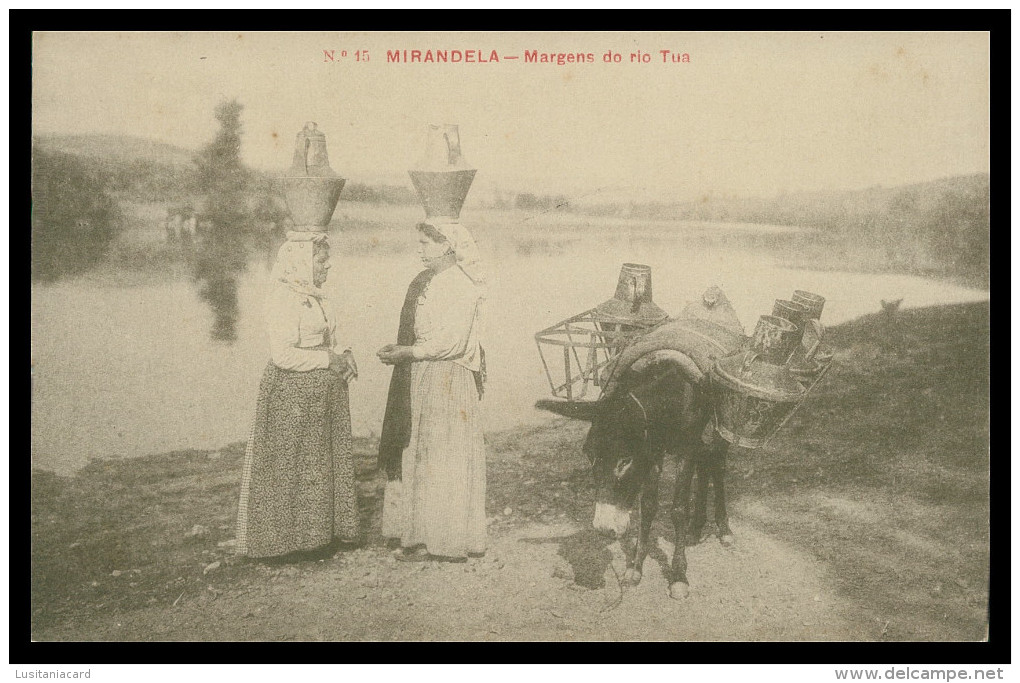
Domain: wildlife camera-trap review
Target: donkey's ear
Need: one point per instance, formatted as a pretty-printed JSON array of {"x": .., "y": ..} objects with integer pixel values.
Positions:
[{"x": 576, "y": 410}]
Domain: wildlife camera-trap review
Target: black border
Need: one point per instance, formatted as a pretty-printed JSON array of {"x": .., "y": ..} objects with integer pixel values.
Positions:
[{"x": 23, "y": 651}]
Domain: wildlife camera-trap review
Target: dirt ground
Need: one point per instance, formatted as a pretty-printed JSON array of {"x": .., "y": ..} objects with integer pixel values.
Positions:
[{"x": 866, "y": 520}]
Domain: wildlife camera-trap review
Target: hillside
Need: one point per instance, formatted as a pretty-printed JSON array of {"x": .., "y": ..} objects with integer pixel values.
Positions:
[
  {"x": 126, "y": 167},
  {"x": 139, "y": 169},
  {"x": 940, "y": 227},
  {"x": 795, "y": 208},
  {"x": 113, "y": 150}
]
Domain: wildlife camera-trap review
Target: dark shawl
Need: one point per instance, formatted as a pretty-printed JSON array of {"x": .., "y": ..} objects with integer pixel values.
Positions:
[{"x": 396, "y": 428}]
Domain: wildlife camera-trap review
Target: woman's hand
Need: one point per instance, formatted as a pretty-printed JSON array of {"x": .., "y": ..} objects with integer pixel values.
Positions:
[
  {"x": 344, "y": 365},
  {"x": 392, "y": 354},
  {"x": 351, "y": 371}
]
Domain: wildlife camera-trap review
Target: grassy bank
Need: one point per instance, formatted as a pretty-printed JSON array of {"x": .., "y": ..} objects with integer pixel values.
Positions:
[{"x": 883, "y": 478}]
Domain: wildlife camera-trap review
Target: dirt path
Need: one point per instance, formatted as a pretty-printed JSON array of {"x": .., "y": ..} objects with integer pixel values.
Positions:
[{"x": 524, "y": 589}]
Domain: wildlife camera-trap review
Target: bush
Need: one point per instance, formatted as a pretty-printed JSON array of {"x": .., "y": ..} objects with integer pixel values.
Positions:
[{"x": 74, "y": 220}]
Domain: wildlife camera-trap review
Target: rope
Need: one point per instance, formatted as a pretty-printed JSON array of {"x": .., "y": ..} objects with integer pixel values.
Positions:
[{"x": 619, "y": 598}]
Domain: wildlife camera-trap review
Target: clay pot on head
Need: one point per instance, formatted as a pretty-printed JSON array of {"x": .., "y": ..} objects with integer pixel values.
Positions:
[
  {"x": 311, "y": 188},
  {"x": 442, "y": 178}
]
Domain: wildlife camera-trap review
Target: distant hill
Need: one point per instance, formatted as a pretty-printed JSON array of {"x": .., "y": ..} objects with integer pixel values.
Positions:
[
  {"x": 128, "y": 167},
  {"x": 814, "y": 209},
  {"x": 940, "y": 226},
  {"x": 117, "y": 149},
  {"x": 145, "y": 170}
]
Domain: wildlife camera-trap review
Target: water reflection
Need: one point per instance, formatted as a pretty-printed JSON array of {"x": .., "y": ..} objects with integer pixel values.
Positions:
[
  {"x": 220, "y": 292},
  {"x": 221, "y": 255}
]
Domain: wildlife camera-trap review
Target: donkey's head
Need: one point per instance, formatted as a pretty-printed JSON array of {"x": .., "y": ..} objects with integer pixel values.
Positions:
[
  {"x": 618, "y": 450},
  {"x": 651, "y": 408}
]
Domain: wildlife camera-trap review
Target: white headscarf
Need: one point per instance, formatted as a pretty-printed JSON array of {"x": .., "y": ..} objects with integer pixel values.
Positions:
[
  {"x": 295, "y": 262},
  {"x": 469, "y": 259}
]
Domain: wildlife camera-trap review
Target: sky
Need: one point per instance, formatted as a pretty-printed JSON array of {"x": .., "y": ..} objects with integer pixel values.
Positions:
[{"x": 750, "y": 114}]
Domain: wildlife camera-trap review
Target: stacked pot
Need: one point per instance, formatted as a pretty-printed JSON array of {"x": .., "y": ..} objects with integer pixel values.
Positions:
[{"x": 756, "y": 390}]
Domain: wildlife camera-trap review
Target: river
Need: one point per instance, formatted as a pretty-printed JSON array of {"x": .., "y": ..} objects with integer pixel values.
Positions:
[{"x": 122, "y": 371}]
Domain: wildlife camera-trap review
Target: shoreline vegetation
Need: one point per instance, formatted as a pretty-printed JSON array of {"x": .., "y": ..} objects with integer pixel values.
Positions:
[
  {"x": 878, "y": 487},
  {"x": 111, "y": 216}
]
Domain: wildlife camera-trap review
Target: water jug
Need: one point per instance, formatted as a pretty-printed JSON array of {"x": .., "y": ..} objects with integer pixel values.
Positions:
[
  {"x": 311, "y": 188},
  {"x": 753, "y": 391},
  {"x": 442, "y": 178}
]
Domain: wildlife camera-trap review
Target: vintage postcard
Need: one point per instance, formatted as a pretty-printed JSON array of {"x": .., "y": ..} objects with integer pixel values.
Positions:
[{"x": 499, "y": 336}]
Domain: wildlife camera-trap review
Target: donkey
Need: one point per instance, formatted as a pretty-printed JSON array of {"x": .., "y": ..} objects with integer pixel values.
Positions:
[
  {"x": 657, "y": 409},
  {"x": 656, "y": 400}
]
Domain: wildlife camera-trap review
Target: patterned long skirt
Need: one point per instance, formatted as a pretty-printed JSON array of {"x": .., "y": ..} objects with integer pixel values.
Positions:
[
  {"x": 440, "y": 500},
  {"x": 297, "y": 485}
]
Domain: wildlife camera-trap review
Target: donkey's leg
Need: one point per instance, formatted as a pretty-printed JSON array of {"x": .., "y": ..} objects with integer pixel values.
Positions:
[
  {"x": 678, "y": 587},
  {"x": 717, "y": 460},
  {"x": 647, "y": 507},
  {"x": 701, "y": 480}
]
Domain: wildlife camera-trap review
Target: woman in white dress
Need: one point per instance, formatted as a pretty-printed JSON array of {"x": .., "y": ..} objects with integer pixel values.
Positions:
[{"x": 436, "y": 506}]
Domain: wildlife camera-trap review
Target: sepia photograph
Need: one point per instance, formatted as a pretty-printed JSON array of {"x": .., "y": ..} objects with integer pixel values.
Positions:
[{"x": 510, "y": 336}]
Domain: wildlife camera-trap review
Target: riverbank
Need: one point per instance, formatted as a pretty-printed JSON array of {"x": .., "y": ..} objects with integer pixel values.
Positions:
[{"x": 867, "y": 519}]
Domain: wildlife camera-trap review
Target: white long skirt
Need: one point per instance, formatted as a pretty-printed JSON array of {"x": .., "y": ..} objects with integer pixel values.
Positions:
[{"x": 440, "y": 499}]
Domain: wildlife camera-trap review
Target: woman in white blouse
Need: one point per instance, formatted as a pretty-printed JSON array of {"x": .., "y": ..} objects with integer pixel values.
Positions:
[
  {"x": 297, "y": 486},
  {"x": 436, "y": 506}
]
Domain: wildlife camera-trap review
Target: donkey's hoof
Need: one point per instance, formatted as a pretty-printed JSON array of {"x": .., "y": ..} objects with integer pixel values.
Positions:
[
  {"x": 632, "y": 577},
  {"x": 679, "y": 590},
  {"x": 727, "y": 540}
]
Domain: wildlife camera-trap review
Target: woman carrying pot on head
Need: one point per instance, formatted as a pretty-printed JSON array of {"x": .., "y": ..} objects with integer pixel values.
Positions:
[
  {"x": 432, "y": 445},
  {"x": 297, "y": 486}
]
